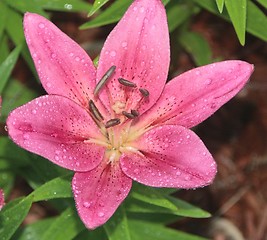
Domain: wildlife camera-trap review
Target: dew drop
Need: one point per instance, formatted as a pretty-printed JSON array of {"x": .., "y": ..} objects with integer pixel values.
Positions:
[
  {"x": 53, "y": 55},
  {"x": 142, "y": 9},
  {"x": 48, "y": 85},
  {"x": 113, "y": 53},
  {"x": 41, "y": 25},
  {"x": 208, "y": 81},
  {"x": 101, "y": 214},
  {"x": 178, "y": 173},
  {"x": 34, "y": 111},
  {"x": 136, "y": 171},
  {"x": 197, "y": 73},
  {"x": 124, "y": 44},
  {"x": 86, "y": 204},
  {"x": 77, "y": 59}
]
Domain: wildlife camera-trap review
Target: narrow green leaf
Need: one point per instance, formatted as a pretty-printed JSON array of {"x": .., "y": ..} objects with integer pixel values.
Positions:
[
  {"x": 110, "y": 15},
  {"x": 149, "y": 231},
  {"x": 7, "y": 66},
  {"x": 117, "y": 227},
  {"x": 263, "y": 3},
  {"x": 238, "y": 14},
  {"x": 256, "y": 19},
  {"x": 220, "y": 4},
  {"x": 64, "y": 227},
  {"x": 7, "y": 179},
  {"x": 152, "y": 196},
  {"x": 56, "y": 188},
  {"x": 4, "y": 48},
  {"x": 11, "y": 216},
  {"x": 63, "y": 5},
  {"x": 26, "y": 6},
  {"x": 3, "y": 17},
  {"x": 197, "y": 47},
  {"x": 184, "y": 11},
  {"x": 97, "y": 5},
  {"x": 97, "y": 234}
]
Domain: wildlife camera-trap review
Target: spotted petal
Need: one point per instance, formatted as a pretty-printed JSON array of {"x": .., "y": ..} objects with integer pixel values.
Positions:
[
  {"x": 63, "y": 66},
  {"x": 99, "y": 192},
  {"x": 139, "y": 48},
  {"x": 193, "y": 96},
  {"x": 170, "y": 156},
  {"x": 58, "y": 129},
  {"x": 2, "y": 199}
]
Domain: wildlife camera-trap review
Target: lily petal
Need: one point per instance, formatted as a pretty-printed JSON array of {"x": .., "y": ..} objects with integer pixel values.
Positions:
[
  {"x": 2, "y": 199},
  {"x": 63, "y": 66},
  {"x": 99, "y": 192},
  {"x": 58, "y": 129},
  {"x": 170, "y": 156},
  {"x": 193, "y": 96},
  {"x": 139, "y": 48}
]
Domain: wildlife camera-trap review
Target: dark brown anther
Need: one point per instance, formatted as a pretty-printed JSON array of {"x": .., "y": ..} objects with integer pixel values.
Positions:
[
  {"x": 104, "y": 80},
  {"x": 135, "y": 113},
  {"x": 112, "y": 122},
  {"x": 93, "y": 109},
  {"x": 128, "y": 115},
  {"x": 144, "y": 92},
  {"x": 126, "y": 83}
]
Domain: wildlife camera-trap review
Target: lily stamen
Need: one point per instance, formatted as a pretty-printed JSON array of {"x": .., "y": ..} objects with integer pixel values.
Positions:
[
  {"x": 112, "y": 122},
  {"x": 127, "y": 83},
  {"x": 104, "y": 80},
  {"x": 128, "y": 115},
  {"x": 144, "y": 92},
  {"x": 93, "y": 109}
]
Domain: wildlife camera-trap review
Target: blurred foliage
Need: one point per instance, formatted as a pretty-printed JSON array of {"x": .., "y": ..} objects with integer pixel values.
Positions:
[{"x": 146, "y": 209}]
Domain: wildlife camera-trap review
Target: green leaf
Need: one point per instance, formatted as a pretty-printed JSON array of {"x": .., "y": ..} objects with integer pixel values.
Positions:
[
  {"x": 3, "y": 17},
  {"x": 256, "y": 19},
  {"x": 56, "y": 188},
  {"x": 26, "y": 6},
  {"x": 7, "y": 179},
  {"x": 117, "y": 227},
  {"x": 11, "y": 216},
  {"x": 238, "y": 14},
  {"x": 7, "y": 66},
  {"x": 64, "y": 227},
  {"x": 263, "y": 3},
  {"x": 149, "y": 231},
  {"x": 97, "y": 234},
  {"x": 4, "y": 48},
  {"x": 152, "y": 196},
  {"x": 197, "y": 47},
  {"x": 184, "y": 11},
  {"x": 63, "y": 5},
  {"x": 220, "y": 4},
  {"x": 110, "y": 15},
  {"x": 97, "y": 5}
]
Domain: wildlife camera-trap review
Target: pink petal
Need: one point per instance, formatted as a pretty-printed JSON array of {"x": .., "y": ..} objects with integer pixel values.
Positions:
[
  {"x": 171, "y": 156},
  {"x": 58, "y": 129},
  {"x": 193, "y": 96},
  {"x": 139, "y": 48},
  {"x": 98, "y": 193},
  {"x": 63, "y": 66},
  {"x": 2, "y": 199}
]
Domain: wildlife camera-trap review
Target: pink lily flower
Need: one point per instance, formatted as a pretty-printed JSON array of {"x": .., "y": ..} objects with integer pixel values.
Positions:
[
  {"x": 120, "y": 122},
  {"x": 2, "y": 199}
]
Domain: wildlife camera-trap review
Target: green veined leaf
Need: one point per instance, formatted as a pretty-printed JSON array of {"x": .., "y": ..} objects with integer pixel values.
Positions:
[
  {"x": 220, "y": 4},
  {"x": 197, "y": 47},
  {"x": 4, "y": 48},
  {"x": 97, "y": 4},
  {"x": 256, "y": 19},
  {"x": 63, "y": 5},
  {"x": 238, "y": 14},
  {"x": 11, "y": 216},
  {"x": 117, "y": 227},
  {"x": 149, "y": 231},
  {"x": 110, "y": 15},
  {"x": 7, "y": 67},
  {"x": 64, "y": 227},
  {"x": 56, "y": 188}
]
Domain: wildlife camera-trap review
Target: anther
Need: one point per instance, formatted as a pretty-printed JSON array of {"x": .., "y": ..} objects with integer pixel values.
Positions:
[
  {"x": 104, "y": 80},
  {"x": 93, "y": 109},
  {"x": 144, "y": 92},
  {"x": 128, "y": 115},
  {"x": 112, "y": 122},
  {"x": 135, "y": 113},
  {"x": 126, "y": 83}
]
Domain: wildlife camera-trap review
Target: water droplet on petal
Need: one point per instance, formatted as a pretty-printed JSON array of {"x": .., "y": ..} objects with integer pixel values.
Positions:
[
  {"x": 178, "y": 173},
  {"x": 53, "y": 55},
  {"x": 101, "y": 214},
  {"x": 208, "y": 81},
  {"x": 113, "y": 53},
  {"x": 34, "y": 111},
  {"x": 86, "y": 204},
  {"x": 136, "y": 170},
  {"x": 124, "y": 44},
  {"x": 41, "y": 25}
]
